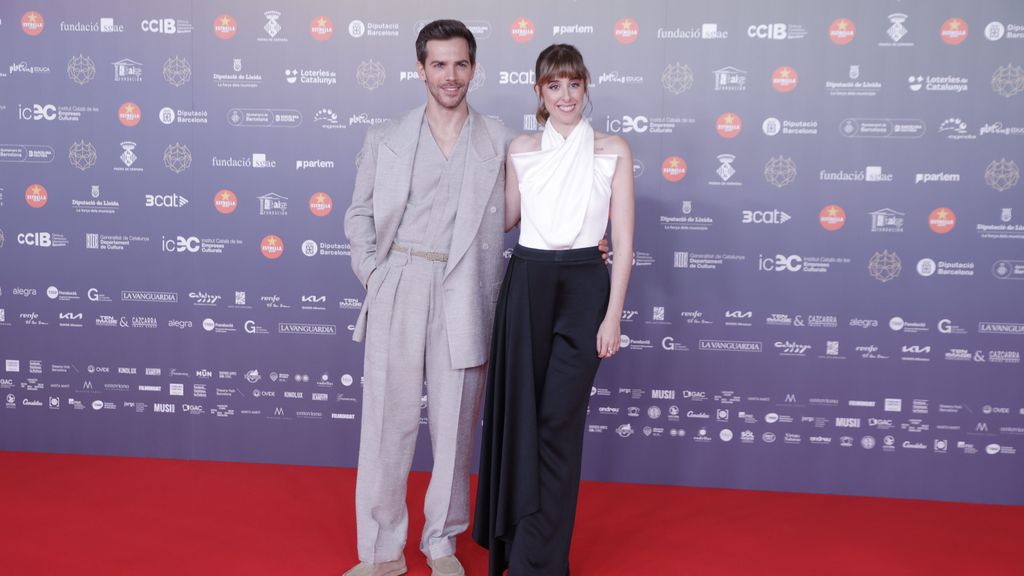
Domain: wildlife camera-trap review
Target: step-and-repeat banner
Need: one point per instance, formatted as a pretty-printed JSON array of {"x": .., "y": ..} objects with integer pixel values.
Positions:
[{"x": 829, "y": 266}]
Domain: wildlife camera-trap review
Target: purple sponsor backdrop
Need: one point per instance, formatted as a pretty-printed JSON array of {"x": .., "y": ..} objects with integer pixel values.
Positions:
[{"x": 830, "y": 231}]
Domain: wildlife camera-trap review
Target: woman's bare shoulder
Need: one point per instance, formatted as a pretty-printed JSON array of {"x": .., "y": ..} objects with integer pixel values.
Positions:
[
  {"x": 611, "y": 144},
  {"x": 525, "y": 143}
]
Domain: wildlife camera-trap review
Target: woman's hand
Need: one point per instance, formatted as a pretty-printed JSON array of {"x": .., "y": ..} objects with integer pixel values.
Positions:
[{"x": 608, "y": 338}]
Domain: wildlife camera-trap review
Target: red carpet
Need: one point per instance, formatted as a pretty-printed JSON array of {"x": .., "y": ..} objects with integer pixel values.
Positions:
[{"x": 88, "y": 515}]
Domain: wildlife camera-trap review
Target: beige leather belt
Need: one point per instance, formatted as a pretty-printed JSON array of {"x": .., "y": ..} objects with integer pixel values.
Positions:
[{"x": 432, "y": 256}]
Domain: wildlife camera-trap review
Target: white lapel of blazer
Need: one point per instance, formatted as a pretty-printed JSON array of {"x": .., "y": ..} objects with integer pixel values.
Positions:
[
  {"x": 477, "y": 184},
  {"x": 395, "y": 157}
]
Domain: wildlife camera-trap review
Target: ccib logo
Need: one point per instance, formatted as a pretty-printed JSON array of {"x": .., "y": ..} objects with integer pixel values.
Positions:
[
  {"x": 180, "y": 244},
  {"x": 767, "y": 31},
  {"x": 780, "y": 263},
  {"x": 160, "y": 26},
  {"x": 38, "y": 239}
]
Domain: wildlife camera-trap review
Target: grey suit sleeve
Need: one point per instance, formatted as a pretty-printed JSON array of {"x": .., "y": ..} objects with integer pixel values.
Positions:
[{"x": 359, "y": 219}]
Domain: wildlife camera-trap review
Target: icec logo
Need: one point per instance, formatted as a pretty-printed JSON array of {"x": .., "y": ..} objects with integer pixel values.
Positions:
[
  {"x": 780, "y": 263},
  {"x": 180, "y": 244}
]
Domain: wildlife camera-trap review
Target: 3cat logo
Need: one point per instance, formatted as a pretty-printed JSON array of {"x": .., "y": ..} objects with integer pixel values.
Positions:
[
  {"x": 832, "y": 217},
  {"x": 784, "y": 79},
  {"x": 941, "y": 220},
  {"x": 32, "y": 23},
  {"x": 36, "y": 196},
  {"x": 627, "y": 31},
  {"x": 322, "y": 28},
  {"x": 673, "y": 169},
  {"x": 954, "y": 31},
  {"x": 129, "y": 114},
  {"x": 523, "y": 30},
  {"x": 225, "y": 201},
  {"x": 272, "y": 246},
  {"x": 224, "y": 27},
  {"x": 842, "y": 31},
  {"x": 320, "y": 204},
  {"x": 729, "y": 125}
]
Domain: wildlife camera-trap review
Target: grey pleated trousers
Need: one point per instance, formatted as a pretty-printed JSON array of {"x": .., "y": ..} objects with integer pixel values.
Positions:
[{"x": 407, "y": 344}]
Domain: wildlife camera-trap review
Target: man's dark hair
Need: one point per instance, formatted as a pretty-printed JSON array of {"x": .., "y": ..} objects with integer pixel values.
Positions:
[{"x": 444, "y": 30}]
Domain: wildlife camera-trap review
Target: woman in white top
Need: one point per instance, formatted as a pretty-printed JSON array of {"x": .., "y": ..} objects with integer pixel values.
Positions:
[{"x": 558, "y": 315}]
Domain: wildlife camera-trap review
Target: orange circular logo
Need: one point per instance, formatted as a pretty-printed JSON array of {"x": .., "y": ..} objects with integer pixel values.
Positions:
[
  {"x": 954, "y": 31},
  {"x": 941, "y": 220},
  {"x": 673, "y": 169},
  {"x": 729, "y": 125},
  {"x": 225, "y": 201},
  {"x": 784, "y": 79},
  {"x": 36, "y": 196},
  {"x": 832, "y": 217},
  {"x": 272, "y": 246},
  {"x": 224, "y": 27},
  {"x": 129, "y": 114},
  {"x": 627, "y": 31},
  {"x": 523, "y": 30},
  {"x": 322, "y": 28},
  {"x": 842, "y": 31},
  {"x": 32, "y": 23},
  {"x": 320, "y": 204}
]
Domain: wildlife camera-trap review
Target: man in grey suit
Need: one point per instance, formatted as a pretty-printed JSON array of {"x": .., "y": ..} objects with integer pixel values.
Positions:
[{"x": 426, "y": 225}]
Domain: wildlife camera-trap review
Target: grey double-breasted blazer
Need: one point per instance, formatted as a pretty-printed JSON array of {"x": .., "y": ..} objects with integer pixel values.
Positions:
[{"x": 473, "y": 272}]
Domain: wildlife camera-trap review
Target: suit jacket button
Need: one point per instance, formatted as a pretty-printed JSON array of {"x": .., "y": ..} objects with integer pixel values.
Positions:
[
  {"x": 493, "y": 209},
  {"x": 485, "y": 246}
]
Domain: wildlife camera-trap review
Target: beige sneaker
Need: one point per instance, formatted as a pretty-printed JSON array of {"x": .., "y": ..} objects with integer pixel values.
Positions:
[
  {"x": 394, "y": 568},
  {"x": 446, "y": 566}
]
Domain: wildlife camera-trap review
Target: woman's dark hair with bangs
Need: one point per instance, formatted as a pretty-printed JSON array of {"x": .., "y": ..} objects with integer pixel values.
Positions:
[{"x": 559, "y": 61}]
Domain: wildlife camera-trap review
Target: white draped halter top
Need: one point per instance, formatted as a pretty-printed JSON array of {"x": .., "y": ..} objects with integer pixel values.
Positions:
[{"x": 565, "y": 190}]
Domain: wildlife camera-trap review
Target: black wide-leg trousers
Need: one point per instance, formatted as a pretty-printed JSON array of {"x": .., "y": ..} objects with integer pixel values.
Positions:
[{"x": 541, "y": 371}]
